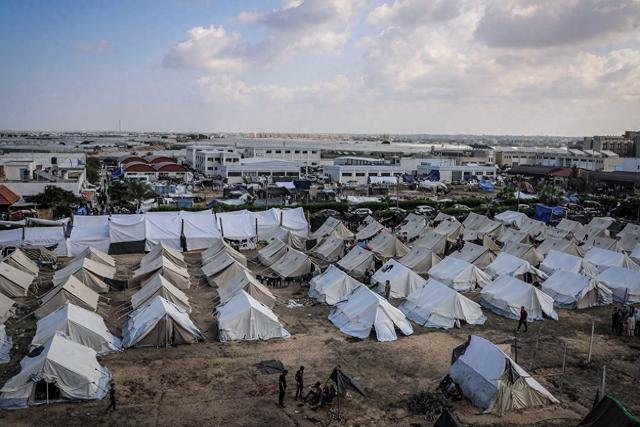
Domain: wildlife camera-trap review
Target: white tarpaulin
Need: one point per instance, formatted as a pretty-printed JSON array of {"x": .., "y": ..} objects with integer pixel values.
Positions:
[
  {"x": 294, "y": 221},
  {"x": 293, "y": 264},
  {"x": 159, "y": 286},
  {"x": 244, "y": 280},
  {"x": 46, "y": 236},
  {"x": 402, "y": 281},
  {"x": 332, "y": 226},
  {"x": 329, "y": 249},
  {"x": 509, "y": 265},
  {"x": 163, "y": 227},
  {"x": 505, "y": 295},
  {"x": 623, "y": 282},
  {"x": 459, "y": 275},
  {"x": 436, "y": 305},
  {"x": 475, "y": 254},
  {"x": 433, "y": 240},
  {"x": 561, "y": 245},
  {"x": 524, "y": 251},
  {"x": 88, "y": 231},
  {"x": 571, "y": 290},
  {"x": 358, "y": 262},
  {"x": 243, "y": 318},
  {"x": 420, "y": 259},
  {"x": 331, "y": 286},
  {"x": 13, "y": 281},
  {"x": 80, "y": 325},
  {"x": 362, "y": 310},
  {"x": 70, "y": 367},
  {"x": 12, "y": 237},
  {"x": 71, "y": 291},
  {"x": 560, "y": 261},
  {"x": 603, "y": 259},
  {"x": 494, "y": 382},
  {"x": 511, "y": 218},
  {"x": 387, "y": 245},
  {"x": 635, "y": 254},
  {"x": 412, "y": 226},
  {"x": 272, "y": 252},
  {"x": 200, "y": 230},
  {"x": 127, "y": 228},
  {"x": 6, "y": 344}
]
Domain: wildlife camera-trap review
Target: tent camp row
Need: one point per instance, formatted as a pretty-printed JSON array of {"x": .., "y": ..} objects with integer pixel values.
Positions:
[
  {"x": 53, "y": 236},
  {"x": 140, "y": 232}
]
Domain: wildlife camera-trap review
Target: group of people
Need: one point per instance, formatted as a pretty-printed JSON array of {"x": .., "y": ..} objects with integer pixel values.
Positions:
[
  {"x": 319, "y": 395},
  {"x": 625, "y": 321}
]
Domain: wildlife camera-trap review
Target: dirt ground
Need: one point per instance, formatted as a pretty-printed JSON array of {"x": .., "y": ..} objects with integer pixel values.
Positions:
[{"x": 211, "y": 383}]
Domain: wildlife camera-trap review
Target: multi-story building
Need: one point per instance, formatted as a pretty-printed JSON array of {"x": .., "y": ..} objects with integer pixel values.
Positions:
[
  {"x": 192, "y": 150},
  {"x": 304, "y": 156},
  {"x": 358, "y": 174},
  {"x": 358, "y": 161},
  {"x": 557, "y": 157},
  {"x": 457, "y": 173},
  {"x": 210, "y": 162},
  {"x": 255, "y": 168},
  {"x": 627, "y": 145}
]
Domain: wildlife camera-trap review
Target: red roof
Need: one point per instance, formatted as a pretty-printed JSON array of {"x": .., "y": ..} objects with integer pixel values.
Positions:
[
  {"x": 7, "y": 197},
  {"x": 139, "y": 167},
  {"x": 169, "y": 167},
  {"x": 132, "y": 159},
  {"x": 160, "y": 159}
]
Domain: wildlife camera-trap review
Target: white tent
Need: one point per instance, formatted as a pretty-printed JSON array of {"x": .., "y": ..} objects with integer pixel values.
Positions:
[
  {"x": 245, "y": 281},
  {"x": 628, "y": 241},
  {"x": 362, "y": 310},
  {"x": 98, "y": 256},
  {"x": 450, "y": 228},
  {"x": 387, "y": 245},
  {"x": 6, "y": 344},
  {"x": 635, "y": 254},
  {"x": 560, "y": 261},
  {"x": 370, "y": 229},
  {"x": 239, "y": 226},
  {"x": 589, "y": 232},
  {"x": 601, "y": 222},
  {"x": 178, "y": 276},
  {"x": 14, "y": 282},
  {"x": 511, "y": 218},
  {"x": 159, "y": 286},
  {"x": 358, "y": 262},
  {"x": 524, "y": 251},
  {"x": 477, "y": 226},
  {"x": 331, "y": 286},
  {"x": 420, "y": 259},
  {"x": 474, "y": 220},
  {"x": 629, "y": 228},
  {"x": 71, "y": 291},
  {"x": 330, "y": 248},
  {"x": 6, "y": 308},
  {"x": 89, "y": 272},
  {"x": 127, "y": 228},
  {"x": 163, "y": 250},
  {"x": 218, "y": 264},
  {"x": 63, "y": 364},
  {"x": 505, "y": 295},
  {"x": 623, "y": 282},
  {"x": 159, "y": 324},
  {"x": 88, "y": 231},
  {"x": 411, "y": 227},
  {"x": 459, "y": 275},
  {"x": 601, "y": 242},
  {"x": 218, "y": 248},
  {"x": 272, "y": 252},
  {"x": 561, "y": 245},
  {"x": 21, "y": 261},
  {"x": 603, "y": 259},
  {"x": 509, "y": 265},
  {"x": 163, "y": 228},
  {"x": 569, "y": 225},
  {"x": 513, "y": 235},
  {"x": 572, "y": 290},
  {"x": 554, "y": 233},
  {"x": 243, "y": 318},
  {"x": 477, "y": 255},
  {"x": 293, "y": 264},
  {"x": 402, "y": 280},
  {"x": 200, "y": 229},
  {"x": 293, "y": 220},
  {"x": 332, "y": 226},
  {"x": 492, "y": 381},
  {"x": 78, "y": 324},
  {"x": 46, "y": 236},
  {"x": 436, "y": 305},
  {"x": 532, "y": 227},
  {"x": 432, "y": 240}
]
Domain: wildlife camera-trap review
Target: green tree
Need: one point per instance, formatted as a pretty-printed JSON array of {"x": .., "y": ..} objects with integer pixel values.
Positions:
[
  {"x": 127, "y": 193},
  {"x": 61, "y": 201},
  {"x": 550, "y": 195},
  {"x": 93, "y": 170}
]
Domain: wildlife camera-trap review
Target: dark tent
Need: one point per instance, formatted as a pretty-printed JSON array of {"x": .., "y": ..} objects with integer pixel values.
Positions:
[
  {"x": 609, "y": 412},
  {"x": 545, "y": 213},
  {"x": 447, "y": 420},
  {"x": 270, "y": 367},
  {"x": 344, "y": 381}
]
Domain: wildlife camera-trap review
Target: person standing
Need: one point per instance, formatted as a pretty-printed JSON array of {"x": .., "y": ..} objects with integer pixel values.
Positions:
[
  {"x": 615, "y": 319},
  {"x": 299, "y": 382},
  {"x": 523, "y": 319},
  {"x": 631, "y": 322},
  {"x": 282, "y": 387},
  {"x": 112, "y": 398}
]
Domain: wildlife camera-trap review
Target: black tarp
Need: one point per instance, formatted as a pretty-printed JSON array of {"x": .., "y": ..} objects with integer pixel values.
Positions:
[
  {"x": 344, "y": 382},
  {"x": 270, "y": 367},
  {"x": 447, "y": 420},
  {"x": 609, "y": 412}
]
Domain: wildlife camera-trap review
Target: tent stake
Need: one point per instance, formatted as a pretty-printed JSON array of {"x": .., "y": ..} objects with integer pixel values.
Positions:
[
  {"x": 564, "y": 363},
  {"x": 604, "y": 381},
  {"x": 593, "y": 327}
]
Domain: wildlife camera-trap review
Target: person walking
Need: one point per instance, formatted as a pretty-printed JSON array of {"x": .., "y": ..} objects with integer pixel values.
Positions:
[
  {"x": 299, "y": 383},
  {"x": 523, "y": 319},
  {"x": 112, "y": 398},
  {"x": 282, "y": 387},
  {"x": 631, "y": 322}
]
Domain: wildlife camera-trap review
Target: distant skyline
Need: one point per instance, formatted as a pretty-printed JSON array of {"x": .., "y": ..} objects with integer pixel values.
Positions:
[{"x": 563, "y": 68}]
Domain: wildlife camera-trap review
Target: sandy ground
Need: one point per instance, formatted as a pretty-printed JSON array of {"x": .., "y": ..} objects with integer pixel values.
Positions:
[{"x": 217, "y": 384}]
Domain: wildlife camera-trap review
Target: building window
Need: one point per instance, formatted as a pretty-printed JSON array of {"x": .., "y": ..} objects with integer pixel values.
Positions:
[
  {"x": 346, "y": 174},
  {"x": 304, "y": 152},
  {"x": 373, "y": 173},
  {"x": 385, "y": 174},
  {"x": 297, "y": 152},
  {"x": 287, "y": 152},
  {"x": 361, "y": 174},
  {"x": 234, "y": 174},
  {"x": 268, "y": 151},
  {"x": 314, "y": 152}
]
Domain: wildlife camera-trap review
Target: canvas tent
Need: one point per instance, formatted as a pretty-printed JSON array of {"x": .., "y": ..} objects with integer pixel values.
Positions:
[
  {"x": 635, "y": 254},
  {"x": 245, "y": 281},
  {"x": 432, "y": 240},
  {"x": 451, "y": 228},
  {"x": 556, "y": 261},
  {"x": 332, "y": 226},
  {"x": 477, "y": 255},
  {"x": 91, "y": 273},
  {"x": 21, "y": 261},
  {"x": 370, "y": 229},
  {"x": 78, "y": 324},
  {"x": 492, "y": 381},
  {"x": 532, "y": 227},
  {"x": 609, "y": 412},
  {"x": 603, "y": 259},
  {"x": 65, "y": 366},
  {"x": 178, "y": 276},
  {"x": 272, "y": 252},
  {"x": 513, "y": 235},
  {"x": 159, "y": 286},
  {"x": 523, "y": 251},
  {"x": 163, "y": 228},
  {"x": 293, "y": 264},
  {"x": 561, "y": 245},
  {"x": 14, "y": 282},
  {"x": 46, "y": 236},
  {"x": 6, "y": 308},
  {"x": 569, "y": 225},
  {"x": 411, "y": 227},
  {"x": 200, "y": 230},
  {"x": 420, "y": 259},
  {"x": 218, "y": 246},
  {"x": 627, "y": 242},
  {"x": 163, "y": 250},
  {"x": 88, "y": 231},
  {"x": 243, "y": 318},
  {"x": 387, "y": 245},
  {"x": 589, "y": 232},
  {"x": 571, "y": 290},
  {"x": 330, "y": 248},
  {"x": 331, "y": 286},
  {"x": 459, "y": 275},
  {"x": 362, "y": 310},
  {"x": 509, "y": 265},
  {"x": 159, "y": 324},
  {"x": 402, "y": 280},
  {"x": 623, "y": 282},
  {"x": 6, "y": 344},
  {"x": 71, "y": 291},
  {"x": 98, "y": 256},
  {"x": 436, "y": 305},
  {"x": 358, "y": 262},
  {"x": 511, "y": 218},
  {"x": 127, "y": 233},
  {"x": 505, "y": 295}
]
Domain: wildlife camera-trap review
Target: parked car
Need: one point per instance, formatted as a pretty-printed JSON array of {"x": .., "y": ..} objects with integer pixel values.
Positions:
[
  {"x": 424, "y": 210},
  {"x": 363, "y": 211},
  {"x": 397, "y": 210},
  {"x": 461, "y": 207}
]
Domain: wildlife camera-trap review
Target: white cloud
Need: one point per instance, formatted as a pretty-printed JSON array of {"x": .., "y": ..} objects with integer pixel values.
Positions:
[{"x": 414, "y": 12}]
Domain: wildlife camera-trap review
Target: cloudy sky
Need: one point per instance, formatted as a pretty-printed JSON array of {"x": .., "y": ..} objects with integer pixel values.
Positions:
[{"x": 541, "y": 67}]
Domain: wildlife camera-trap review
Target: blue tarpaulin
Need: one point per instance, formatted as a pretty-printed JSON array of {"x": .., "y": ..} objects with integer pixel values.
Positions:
[
  {"x": 433, "y": 175},
  {"x": 544, "y": 213},
  {"x": 485, "y": 186}
]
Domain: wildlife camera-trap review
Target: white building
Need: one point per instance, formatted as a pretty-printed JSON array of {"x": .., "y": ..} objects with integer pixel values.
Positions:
[
  {"x": 47, "y": 160},
  {"x": 557, "y": 157},
  {"x": 274, "y": 170},
  {"x": 453, "y": 173},
  {"x": 629, "y": 164},
  {"x": 304, "y": 156},
  {"x": 210, "y": 162},
  {"x": 358, "y": 161},
  {"x": 409, "y": 165},
  {"x": 359, "y": 175}
]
